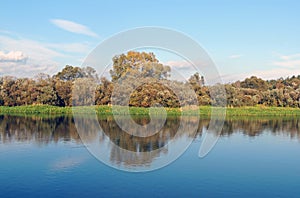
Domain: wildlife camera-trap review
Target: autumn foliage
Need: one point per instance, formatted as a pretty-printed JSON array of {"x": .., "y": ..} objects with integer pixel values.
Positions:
[{"x": 56, "y": 90}]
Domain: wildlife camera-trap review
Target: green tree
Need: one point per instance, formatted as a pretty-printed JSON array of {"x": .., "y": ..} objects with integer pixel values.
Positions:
[
  {"x": 46, "y": 91},
  {"x": 139, "y": 64},
  {"x": 64, "y": 92},
  {"x": 255, "y": 83},
  {"x": 103, "y": 92},
  {"x": 131, "y": 76},
  {"x": 70, "y": 73}
]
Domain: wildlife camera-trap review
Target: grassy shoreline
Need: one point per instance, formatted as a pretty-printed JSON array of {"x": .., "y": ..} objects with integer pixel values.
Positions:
[{"x": 107, "y": 110}]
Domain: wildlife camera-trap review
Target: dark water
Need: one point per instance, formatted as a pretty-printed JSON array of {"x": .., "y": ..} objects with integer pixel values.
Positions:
[{"x": 254, "y": 157}]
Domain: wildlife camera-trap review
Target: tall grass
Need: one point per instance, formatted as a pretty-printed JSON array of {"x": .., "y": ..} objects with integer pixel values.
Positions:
[{"x": 107, "y": 110}]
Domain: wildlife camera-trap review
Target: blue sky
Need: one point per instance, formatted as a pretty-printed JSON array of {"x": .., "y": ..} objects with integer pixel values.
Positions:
[{"x": 243, "y": 38}]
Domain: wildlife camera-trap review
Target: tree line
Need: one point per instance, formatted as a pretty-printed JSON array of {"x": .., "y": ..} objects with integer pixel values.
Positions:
[
  {"x": 54, "y": 129},
  {"x": 151, "y": 88}
]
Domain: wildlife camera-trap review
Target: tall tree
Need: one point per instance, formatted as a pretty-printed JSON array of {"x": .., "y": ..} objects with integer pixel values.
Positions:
[
  {"x": 70, "y": 73},
  {"x": 139, "y": 64}
]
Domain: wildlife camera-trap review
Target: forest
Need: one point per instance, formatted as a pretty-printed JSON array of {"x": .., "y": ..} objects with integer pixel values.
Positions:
[{"x": 56, "y": 90}]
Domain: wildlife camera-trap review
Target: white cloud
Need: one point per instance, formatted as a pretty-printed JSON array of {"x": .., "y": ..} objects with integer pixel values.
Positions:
[
  {"x": 264, "y": 74},
  {"x": 284, "y": 66},
  {"x": 71, "y": 47},
  {"x": 4, "y": 32},
  {"x": 39, "y": 57},
  {"x": 30, "y": 47},
  {"x": 73, "y": 27},
  {"x": 181, "y": 64},
  {"x": 25, "y": 57},
  {"x": 289, "y": 57},
  {"x": 277, "y": 73},
  {"x": 180, "y": 69},
  {"x": 288, "y": 61},
  {"x": 235, "y": 56},
  {"x": 13, "y": 56}
]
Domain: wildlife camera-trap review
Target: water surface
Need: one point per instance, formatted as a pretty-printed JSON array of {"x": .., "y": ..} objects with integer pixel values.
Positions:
[{"x": 42, "y": 156}]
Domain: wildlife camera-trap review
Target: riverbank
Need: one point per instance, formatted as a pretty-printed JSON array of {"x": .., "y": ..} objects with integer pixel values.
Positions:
[{"x": 107, "y": 110}]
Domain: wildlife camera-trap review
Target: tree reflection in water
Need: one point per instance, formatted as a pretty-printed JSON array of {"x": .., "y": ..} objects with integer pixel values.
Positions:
[{"x": 43, "y": 130}]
